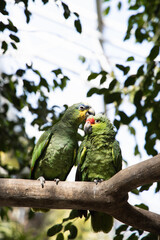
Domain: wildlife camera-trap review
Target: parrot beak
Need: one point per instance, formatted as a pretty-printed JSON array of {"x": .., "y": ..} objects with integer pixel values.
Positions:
[
  {"x": 90, "y": 112},
  {"x": 87, "y": 127}
]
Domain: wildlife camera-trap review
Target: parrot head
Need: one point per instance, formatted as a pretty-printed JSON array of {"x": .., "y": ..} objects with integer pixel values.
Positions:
[
  {"x": 79, "y": 112},
  {"x": 97, "y": 124}
]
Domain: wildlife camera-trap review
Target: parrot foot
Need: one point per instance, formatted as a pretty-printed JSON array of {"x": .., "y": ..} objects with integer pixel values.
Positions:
[
  {"x": 42, "y": 181},
  {"x": 96, "y": 181},
  {"x": 56, "y": 180}
]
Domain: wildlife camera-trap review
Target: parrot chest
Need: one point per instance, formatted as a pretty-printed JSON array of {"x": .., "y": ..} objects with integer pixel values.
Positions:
[{"x": 98, "y": 161}]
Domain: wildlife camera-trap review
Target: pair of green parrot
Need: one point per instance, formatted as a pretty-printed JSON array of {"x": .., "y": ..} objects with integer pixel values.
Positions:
[{"x": 99, "y": 155}]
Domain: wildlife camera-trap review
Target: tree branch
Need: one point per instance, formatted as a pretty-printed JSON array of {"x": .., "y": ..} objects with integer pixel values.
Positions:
[{"x": 109, "y": 196}]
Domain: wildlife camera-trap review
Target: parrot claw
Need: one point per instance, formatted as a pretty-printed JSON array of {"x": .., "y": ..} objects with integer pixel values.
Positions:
[
  {"x": 56, "y": 180},
  {"x": 96, "y": 181},
  {"x": 42, "y": 181}
]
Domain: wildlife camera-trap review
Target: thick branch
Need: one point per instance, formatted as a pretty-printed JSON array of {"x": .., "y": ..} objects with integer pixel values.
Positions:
[{"x": 109, "y": 196}]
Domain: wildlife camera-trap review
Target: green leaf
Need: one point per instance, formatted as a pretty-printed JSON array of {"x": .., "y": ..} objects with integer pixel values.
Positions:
[
  {"x": 78, "y": 26},
  {"x": 54, "y": 230},
  {"x": 57, "y": 71},
  {"x": 92, "y": 76},
  {"x": 154, "y": 53},
  {"x": 119, "y": 5},
  {"x": 132, "y": 130},
  {"x": 106, "y": 11},
  {"x": 130, "y": 59},
  {"x": 136, "y": 150},
  {"x": 143, "y": 206},
  {"x": 135, "y": 191},
  {"x": 60, "y": 236}
]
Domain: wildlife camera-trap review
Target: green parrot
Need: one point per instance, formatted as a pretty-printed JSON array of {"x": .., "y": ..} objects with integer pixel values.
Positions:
[
  {"x": 55, "y": 152},
  {"x": 99, "y": 158}
]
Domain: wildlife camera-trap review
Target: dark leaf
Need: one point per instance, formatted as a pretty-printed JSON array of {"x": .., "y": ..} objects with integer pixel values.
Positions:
[
  {"x": 74, "y": 214},
  {"x": 20, "y": 72},
  {"x": 118, "y": 237},
  {"x": 66, "y": 10},
  {"x": 103, "y": 79},
  {"x": 2, "y": 26},
  {"x": 45, "y": 1},
  {"x": 57, "y": 71},
  {"x": 54, "y": 230},
  {"x": 122, "y": 228},
  {"x": 76, "y": 14},
  {"x": 14, "y": 37},
  {"x": 123, "y": 68},
  {"x": 154, "y": 53},
  {"x": 14, "y": 45},
  {"x": 28, "y": 15},
  {"x": 67, "y": 227},
  {"x": 73, "y": 232},
  {"x": 132, "y": 237},
  {"x": 112, "y": 84},
  {"x": 2, "y": 7},
  {"x": 150, "y": 236},
  {"x": 60, "y": 236},
  {"x": 112, "y": 97},
  {"x": 92, "y": 91},
  {"x": 145, "y": 187},
  {"x": 11, "y": 27},
  {"x": 140, "y": 232},
  {"x": 78, "y": 26},
  {"x": 130, "y": 80},
  {"x": 4, "y": 46}
]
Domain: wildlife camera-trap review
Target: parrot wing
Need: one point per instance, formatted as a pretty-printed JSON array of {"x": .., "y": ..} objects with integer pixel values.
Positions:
[
  {"x": 40, "y": 147},
  {"x": 117, "y": 157},
  {"x": 80, "y": 159}
]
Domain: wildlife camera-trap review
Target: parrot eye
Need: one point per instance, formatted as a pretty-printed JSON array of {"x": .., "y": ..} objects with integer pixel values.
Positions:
[
  {"x": 81, "y": 107},
  {"x": 97, "y": 121}
]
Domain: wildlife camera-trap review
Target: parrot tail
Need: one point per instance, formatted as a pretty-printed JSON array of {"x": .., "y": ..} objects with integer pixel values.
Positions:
[{"x": 101, "y": 222}]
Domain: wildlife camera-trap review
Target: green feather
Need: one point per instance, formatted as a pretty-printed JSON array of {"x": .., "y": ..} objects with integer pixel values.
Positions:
[{"x": 99, "y": 157}]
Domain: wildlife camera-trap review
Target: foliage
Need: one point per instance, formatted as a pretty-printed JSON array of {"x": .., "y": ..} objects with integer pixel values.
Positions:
[{"x": 141, "y": 89}]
